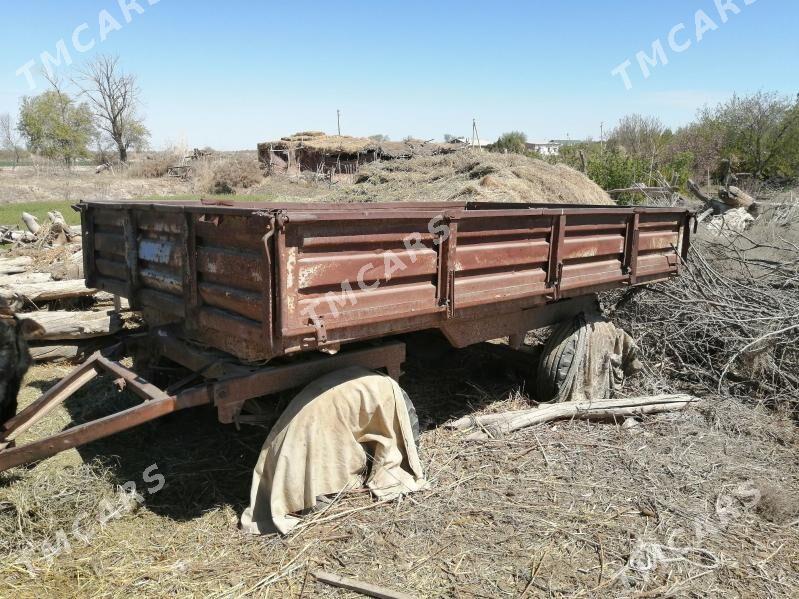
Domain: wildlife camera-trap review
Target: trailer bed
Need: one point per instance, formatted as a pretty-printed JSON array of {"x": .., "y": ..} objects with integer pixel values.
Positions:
[{"x": 260, "y": 280}]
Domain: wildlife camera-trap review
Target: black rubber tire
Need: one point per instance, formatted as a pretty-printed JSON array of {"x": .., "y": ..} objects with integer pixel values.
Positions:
[
  {"x": 561, "y": 356},
  {"x": 413, "y": 417}
]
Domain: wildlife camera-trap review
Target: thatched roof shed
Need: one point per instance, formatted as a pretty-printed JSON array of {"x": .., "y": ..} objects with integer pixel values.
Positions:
[{"x": 315, "y": 151}]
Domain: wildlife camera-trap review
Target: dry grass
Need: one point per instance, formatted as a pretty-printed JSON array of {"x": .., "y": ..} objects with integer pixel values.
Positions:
[
  {"x": 472, "y": 175},
  {"x": 61, "y": 188},
  {"x": 570, "y": 509}
]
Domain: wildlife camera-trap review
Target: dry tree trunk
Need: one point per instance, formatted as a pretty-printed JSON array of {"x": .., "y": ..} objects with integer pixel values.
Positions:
[
  {"x": 48, "y": 291},
  {"x": 735, "y": 197}
]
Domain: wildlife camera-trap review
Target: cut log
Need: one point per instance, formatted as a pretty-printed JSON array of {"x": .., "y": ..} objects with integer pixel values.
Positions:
[
  {"x": 19, "y": 237},
  {"x": 24, "y": 278},
  {"x": 31, "y": 222},
  {"x": 9, "y": 266},
  {"x": 49, "y": 291},
  {"x": 364, "y": 588},
  {"x": 55, "y": 353},
  {"x": 496, "y": 425},
  {"x": 736, "y": 198},
  {"x": 71, "y": 268},
  {"x": 62, "y": 324}
]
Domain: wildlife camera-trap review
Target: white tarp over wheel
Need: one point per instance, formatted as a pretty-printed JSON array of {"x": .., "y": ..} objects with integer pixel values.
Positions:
[{"x": 345, "y": 429}]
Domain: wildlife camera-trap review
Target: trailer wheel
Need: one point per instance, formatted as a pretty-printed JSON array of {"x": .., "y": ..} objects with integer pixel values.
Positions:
[
  {"x": 561, "y": 359},
  {"x": 413, "y": 417}
]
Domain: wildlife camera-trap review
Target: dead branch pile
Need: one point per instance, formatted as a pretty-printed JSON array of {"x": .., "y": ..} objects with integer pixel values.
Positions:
[{"x": 730, "y": 322}]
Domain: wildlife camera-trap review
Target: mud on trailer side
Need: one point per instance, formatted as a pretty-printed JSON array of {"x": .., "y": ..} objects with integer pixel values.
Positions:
[{"x": 258, "y": 298}]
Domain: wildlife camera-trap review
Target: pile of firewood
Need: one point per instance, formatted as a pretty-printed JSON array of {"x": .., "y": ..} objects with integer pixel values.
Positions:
[
  {"x": 46, "y": 285},
  {"x": 53, "y": 232}
]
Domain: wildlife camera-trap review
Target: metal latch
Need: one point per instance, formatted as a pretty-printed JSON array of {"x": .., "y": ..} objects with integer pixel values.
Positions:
[{"x": 321, "y": 332}]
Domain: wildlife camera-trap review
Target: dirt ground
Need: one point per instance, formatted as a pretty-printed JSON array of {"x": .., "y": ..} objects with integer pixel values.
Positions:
[{"x": 698, "y": 503}]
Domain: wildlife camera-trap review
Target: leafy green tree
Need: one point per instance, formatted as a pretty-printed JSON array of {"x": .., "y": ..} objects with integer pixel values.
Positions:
[
  {"x": 758, "y": 132},
  {"x": 512, "y": 141},
  {"x": 54, "y": 125},
  {"x": 756, "y": 129}
]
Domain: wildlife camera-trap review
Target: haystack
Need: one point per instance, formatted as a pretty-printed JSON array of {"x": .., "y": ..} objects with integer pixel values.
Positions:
[{"x": 472, "y": 175}]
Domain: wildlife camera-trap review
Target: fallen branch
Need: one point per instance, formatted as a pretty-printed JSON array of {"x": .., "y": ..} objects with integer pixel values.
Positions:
[
  {"x": 364, "y": 588},
  {"x": 496, "y": 425}
]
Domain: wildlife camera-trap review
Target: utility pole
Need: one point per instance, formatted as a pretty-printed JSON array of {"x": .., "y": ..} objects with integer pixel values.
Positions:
[
  {"x": 338, "y": 120},
  {"x": 475, "y": 134}
]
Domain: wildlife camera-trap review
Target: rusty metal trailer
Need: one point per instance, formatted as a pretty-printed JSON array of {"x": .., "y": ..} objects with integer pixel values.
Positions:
[{"x": 257, "y": 298}]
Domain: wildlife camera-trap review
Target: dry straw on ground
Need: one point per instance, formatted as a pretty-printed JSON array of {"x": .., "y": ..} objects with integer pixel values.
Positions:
[
  {"x": 571, "y": 509},
  {"x": 472, "y": 175}
]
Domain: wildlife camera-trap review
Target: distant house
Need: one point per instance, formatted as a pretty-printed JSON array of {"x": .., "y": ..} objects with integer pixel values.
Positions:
[
  {"x": 545, "y": 148},
  {"x": 553, "y": 146}
]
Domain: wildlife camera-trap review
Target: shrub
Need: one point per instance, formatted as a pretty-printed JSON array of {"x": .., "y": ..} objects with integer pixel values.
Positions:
[
  {"x": 153, "y": 166},
  {"x": 512, "y": 141},
  {"x": 227, "y": 174}
]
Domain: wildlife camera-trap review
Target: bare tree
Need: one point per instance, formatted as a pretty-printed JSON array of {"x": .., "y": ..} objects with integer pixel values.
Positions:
[
  {"x": 641, "y": 136},
  {"x": 9, "y": 138},
  {"x": 114, "y": 98}
]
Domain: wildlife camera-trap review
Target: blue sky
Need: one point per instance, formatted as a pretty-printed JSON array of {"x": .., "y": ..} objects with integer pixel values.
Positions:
[{"x": 231, "y": 74}]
